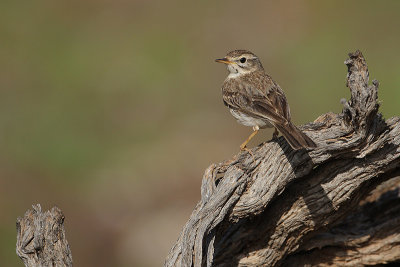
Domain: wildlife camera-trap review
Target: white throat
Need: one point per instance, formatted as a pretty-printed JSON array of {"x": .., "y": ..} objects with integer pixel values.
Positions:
[
  {"x": 235, "y": 72},
  {"x": 235, "y": 75}
]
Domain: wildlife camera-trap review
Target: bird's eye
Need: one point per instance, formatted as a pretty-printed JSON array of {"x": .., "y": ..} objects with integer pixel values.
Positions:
[{"x": 243, "y": 60}]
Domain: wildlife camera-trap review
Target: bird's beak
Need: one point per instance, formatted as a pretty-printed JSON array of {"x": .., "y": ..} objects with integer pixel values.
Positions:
[{"x": 224, "y": 60}]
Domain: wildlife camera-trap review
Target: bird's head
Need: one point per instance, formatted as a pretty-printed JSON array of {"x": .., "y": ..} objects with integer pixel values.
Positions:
[{"x": 240, "y": 62}]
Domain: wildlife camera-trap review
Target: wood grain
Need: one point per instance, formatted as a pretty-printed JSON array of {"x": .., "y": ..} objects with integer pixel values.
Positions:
[{"x": 41, "y": 238}]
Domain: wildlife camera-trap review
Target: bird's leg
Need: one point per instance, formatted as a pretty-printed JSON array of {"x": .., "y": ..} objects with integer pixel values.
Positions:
[
  {"x": 275, "y": 134},
  {"x": 255, "y": 131}
]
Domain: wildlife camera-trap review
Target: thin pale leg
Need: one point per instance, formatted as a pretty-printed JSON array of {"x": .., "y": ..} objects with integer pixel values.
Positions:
[{"x": 255, "y": 131}]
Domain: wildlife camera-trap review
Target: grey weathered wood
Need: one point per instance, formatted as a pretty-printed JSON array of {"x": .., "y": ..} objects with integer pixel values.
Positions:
[
  {"x": 41, "y": 238},
  {"x": 259, "y": 209},
  {"x": 369, "y": 236}
]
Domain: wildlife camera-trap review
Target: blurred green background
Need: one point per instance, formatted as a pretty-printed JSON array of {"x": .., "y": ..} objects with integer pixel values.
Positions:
[{"x": 112, "y": 110}]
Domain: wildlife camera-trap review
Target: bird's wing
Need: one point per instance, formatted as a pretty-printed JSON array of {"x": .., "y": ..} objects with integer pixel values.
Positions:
[
  {"x": 272, "y": 94},
  {"x": 275, "y": 103},
  {"x": 254, "y": 106},
  {"x": 258, "y": 97}
]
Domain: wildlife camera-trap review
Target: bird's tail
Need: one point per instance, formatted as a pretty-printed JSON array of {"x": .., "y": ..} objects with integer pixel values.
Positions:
[{"x": 295, "y": 137}]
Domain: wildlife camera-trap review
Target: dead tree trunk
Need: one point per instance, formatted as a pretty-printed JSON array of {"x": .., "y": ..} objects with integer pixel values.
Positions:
[
  {"x": 337, "y": 204},
  {"x": 41, "y": 239}
]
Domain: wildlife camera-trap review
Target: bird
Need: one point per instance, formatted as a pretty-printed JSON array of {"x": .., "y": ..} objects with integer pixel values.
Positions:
[{"x": 256, "y": 100}]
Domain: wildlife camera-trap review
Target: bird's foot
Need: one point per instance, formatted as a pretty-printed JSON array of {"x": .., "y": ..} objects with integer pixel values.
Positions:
[{"x": 243, "y": 148}]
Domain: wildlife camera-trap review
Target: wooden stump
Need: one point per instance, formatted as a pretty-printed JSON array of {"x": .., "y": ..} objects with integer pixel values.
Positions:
[{"x": 41, "y": 238}]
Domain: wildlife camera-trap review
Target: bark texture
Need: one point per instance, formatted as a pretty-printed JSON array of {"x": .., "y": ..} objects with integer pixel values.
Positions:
[
  {"x": 41, "y": 238},
  {"x": 336, "y": 205}
]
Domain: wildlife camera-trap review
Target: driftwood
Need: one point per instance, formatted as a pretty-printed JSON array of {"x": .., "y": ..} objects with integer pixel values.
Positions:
[
  {"x": 41, "y": 238},
  {"x": 336, "y": 205}
]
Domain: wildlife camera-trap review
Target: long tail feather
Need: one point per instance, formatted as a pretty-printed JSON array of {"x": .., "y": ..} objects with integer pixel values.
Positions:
[{"x": 295, "y": 137}]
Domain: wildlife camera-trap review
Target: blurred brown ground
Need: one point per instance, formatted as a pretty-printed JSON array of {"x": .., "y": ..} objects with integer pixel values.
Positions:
[{"x": 112, "y": 110}]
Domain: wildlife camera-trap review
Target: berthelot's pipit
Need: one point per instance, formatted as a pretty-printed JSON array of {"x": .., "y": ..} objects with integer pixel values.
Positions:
[{"x": 254, "y": 99}]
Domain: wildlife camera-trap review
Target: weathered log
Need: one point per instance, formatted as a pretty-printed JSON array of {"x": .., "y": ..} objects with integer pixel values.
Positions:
[
  {"x": 369, "y": 236},
  {"x": 263, "y": 208},
  {"x": 41, "y": 238}
]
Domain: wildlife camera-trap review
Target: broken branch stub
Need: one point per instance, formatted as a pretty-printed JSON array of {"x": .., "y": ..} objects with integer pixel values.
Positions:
[{"x": 41, "y": 238}]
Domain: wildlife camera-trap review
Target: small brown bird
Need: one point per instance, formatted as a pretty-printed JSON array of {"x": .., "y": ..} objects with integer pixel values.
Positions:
[{"x": 254, "y": 99}]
